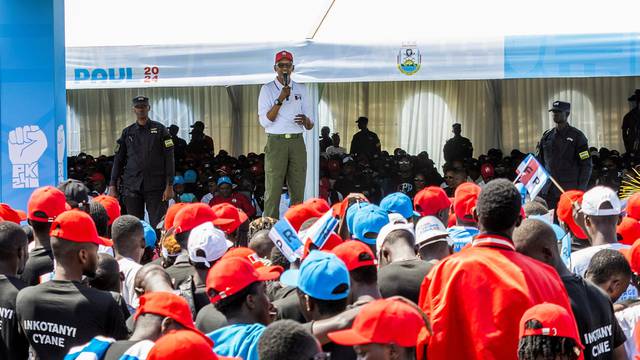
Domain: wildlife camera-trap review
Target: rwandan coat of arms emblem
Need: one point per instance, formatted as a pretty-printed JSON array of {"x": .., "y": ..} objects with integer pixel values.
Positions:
[{"x": 409, "y": 59}]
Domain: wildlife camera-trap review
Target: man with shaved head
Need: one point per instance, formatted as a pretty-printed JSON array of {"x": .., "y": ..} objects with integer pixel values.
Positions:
[
  {"x": 152, "y": 278},
  {"x": 591, "y": 307},
  {"x": 13, "y": 256},
  {"x": 261, "y": 244}
]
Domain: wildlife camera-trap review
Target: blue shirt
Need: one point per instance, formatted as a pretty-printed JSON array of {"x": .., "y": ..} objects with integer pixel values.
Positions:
[{"x": 237, "y": 340}]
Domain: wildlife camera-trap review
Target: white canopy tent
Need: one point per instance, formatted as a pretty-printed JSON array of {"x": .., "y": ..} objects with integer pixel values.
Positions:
[{"x": 161, "y": 44}]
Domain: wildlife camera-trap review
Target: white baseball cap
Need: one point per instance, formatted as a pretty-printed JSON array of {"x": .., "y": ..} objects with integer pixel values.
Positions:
[
  {"x": 428, "y": 228},
  {"x": 211, "y": 240},
  {"x": 387, "y": 229},
  {"x": 593, "y": 199}
]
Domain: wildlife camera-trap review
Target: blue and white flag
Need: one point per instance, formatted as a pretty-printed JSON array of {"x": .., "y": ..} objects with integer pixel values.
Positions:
[
  {"x": 532, "y": 175},
  {"x": 286, "y": 240},
  {"x": 320, "y": 231}
]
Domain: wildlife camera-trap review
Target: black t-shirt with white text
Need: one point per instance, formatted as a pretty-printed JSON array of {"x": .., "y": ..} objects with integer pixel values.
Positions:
[
  {"x": 40, "y": 262},
  {"x": 12, "y": 344},
  {"x": 599, "y": 330},
  {"x": 57, "y": 315}
]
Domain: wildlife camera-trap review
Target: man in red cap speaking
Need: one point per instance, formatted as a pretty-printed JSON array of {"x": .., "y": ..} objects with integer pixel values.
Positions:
[{"x": 284, "y": 109}]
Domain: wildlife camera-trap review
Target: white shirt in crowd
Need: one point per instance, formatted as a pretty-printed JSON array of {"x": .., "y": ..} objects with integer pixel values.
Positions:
[
  {"x": 628, "y": 320},
  {"x": 298, "y": 103},
  {"x": 129, "y": 269}
]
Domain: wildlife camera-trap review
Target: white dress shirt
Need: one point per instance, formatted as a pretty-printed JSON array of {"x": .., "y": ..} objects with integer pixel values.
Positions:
[{"x": 284, "y": 123}]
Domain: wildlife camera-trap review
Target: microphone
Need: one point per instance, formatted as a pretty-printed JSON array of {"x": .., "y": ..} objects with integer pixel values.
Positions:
[{"x": 285, "y": 77}]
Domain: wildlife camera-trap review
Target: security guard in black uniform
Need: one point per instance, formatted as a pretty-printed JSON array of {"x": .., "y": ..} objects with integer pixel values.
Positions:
[
  {"x": 564, "y": 152},
  {"x": 458, "y": 147},
  {"x": 144, "y": 159},
  {"x": 365, "y": 142}
]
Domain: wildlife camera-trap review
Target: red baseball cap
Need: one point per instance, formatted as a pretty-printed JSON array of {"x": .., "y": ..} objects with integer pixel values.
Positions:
[
  {"x": 556, "y": 321},
  {"x": 383, "y": 321},
  {"x": 355, "y": 254},
  {"x": 633, "y": 206},
  {"x": 228, "y": 217},
  {"x": 193, "y": 215},
  {"x": 633, "y": 256},
  {"x": 564, "y": 211},
  {"x": 168, "y": 305},
  {"x": 465, "y": 200},
  {"x": 77, "y": 226},
  {"x": 628, "y": 231},
  {"x": 46, "y": 203},
  {"x": 183, "y": 344},
  {"x": 298, "y": 214},
  {"x": 430, "y": 200},
  {"x": 318, "y": 204},
  {"x": 284, "y": 54},
  {"x": 231, "y": 274},
  {"x": 254, "y": 259},
  {"x": 171, "y": 214},
  {"x": 111, "y": 204},
  {"x": 10, "y": 214}
]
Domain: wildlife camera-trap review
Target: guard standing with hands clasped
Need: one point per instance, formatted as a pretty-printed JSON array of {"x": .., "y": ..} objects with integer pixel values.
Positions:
[
  {"x": 564, "y": 152},
  {"x": 144, "y": 159},
  {"x": 283, "y": 111}
]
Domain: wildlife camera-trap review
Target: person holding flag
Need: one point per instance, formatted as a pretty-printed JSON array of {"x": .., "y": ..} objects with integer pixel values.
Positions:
[{"x": 564, "y": 152}]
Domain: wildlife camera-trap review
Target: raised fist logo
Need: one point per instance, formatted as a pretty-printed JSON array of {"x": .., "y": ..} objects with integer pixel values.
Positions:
[{"x": 26, "y": 146}]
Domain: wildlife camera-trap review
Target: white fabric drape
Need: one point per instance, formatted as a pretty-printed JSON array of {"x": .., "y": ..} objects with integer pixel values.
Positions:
[
  {"x": 413, "y": 115},
  {"x": 597, "y": 108},
  {"x": 416, "y": 116}
]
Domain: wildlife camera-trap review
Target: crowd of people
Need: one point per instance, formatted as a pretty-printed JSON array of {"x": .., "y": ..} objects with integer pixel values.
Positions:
[{"x": 395, "y": 260}]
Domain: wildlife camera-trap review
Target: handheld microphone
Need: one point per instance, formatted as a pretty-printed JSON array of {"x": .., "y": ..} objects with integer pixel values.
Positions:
[{"x": 285, "y": 77}]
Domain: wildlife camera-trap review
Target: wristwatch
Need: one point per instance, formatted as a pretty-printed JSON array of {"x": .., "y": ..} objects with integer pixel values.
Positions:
[{"x": 277, "y": 102}]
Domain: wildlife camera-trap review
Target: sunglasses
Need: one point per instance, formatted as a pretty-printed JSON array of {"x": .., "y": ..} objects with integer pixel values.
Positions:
[
  {"x": 284, "y": 65},
  {"x": 419, "y": 180}
]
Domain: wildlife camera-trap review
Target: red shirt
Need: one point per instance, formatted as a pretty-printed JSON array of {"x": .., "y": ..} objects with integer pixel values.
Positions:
[
  {"x": 475, "y": 299},
  {"x": 236, "y": 199}
]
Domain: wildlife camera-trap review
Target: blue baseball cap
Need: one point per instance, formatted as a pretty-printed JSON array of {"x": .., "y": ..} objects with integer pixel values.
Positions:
[
  {"x": 369, "y": 220},
  {"x": 351, "y": 213},
  {"x": 398, "y": 203},
  {"x": 178, "y": 180},
  {"x": 224, "y": 180},
  {"x": 187, "y": 198},
  {"x": 150, "y": 236},
  {"x": 190, "y": 176},
  {"x": 322, "y": 276}
]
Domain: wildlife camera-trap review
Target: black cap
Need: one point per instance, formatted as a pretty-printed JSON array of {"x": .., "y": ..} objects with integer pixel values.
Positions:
[
  {"x": 173, "y": 126},
  {"x": 456, "y": 125},
  {"x": 140, "y": 100},
  {"x": 362, "y": 119},
  {"x": 198, "y": 124},
  {"x": 635, "y": 96},
  {"x": 560, "y": 106},
  {"x": 76, "y": 192}
]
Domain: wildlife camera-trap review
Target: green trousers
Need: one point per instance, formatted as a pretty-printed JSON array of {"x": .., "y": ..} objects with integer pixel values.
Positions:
[{"x": 285, "y": 163}]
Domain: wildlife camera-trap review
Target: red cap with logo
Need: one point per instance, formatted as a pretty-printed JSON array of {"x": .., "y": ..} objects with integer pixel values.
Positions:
[
  {"x": 556, "y": 321},
  {"x": 383, "y": 321},
  {"x": 228, "y": 217},
  {"x": 355, "y": 254},
  {"x": 564, "y": 211},
  {"x": 168, "y": 305},
  {"x": 10, "y": 214},
  {"x": 430, "y": 200},
  {"x": 110, "y": 204},
  {"x": 231, "y": 274},
  {"x": 632, "y": 255},
  {"x": 628, "y": 231},
  {"x": 183, "y": 344},
  {"x": 633, "y": 206},
  {"x": 299, "y": 214},
  {"x": 171, "y": 214},
  {"x": 77, "y": 226},
  {"x": 284, "y": 54},
  {"x": 193, "y": 215},
  {"x": 465, "y": 200},
  {"x": 46, "y": 203}
]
